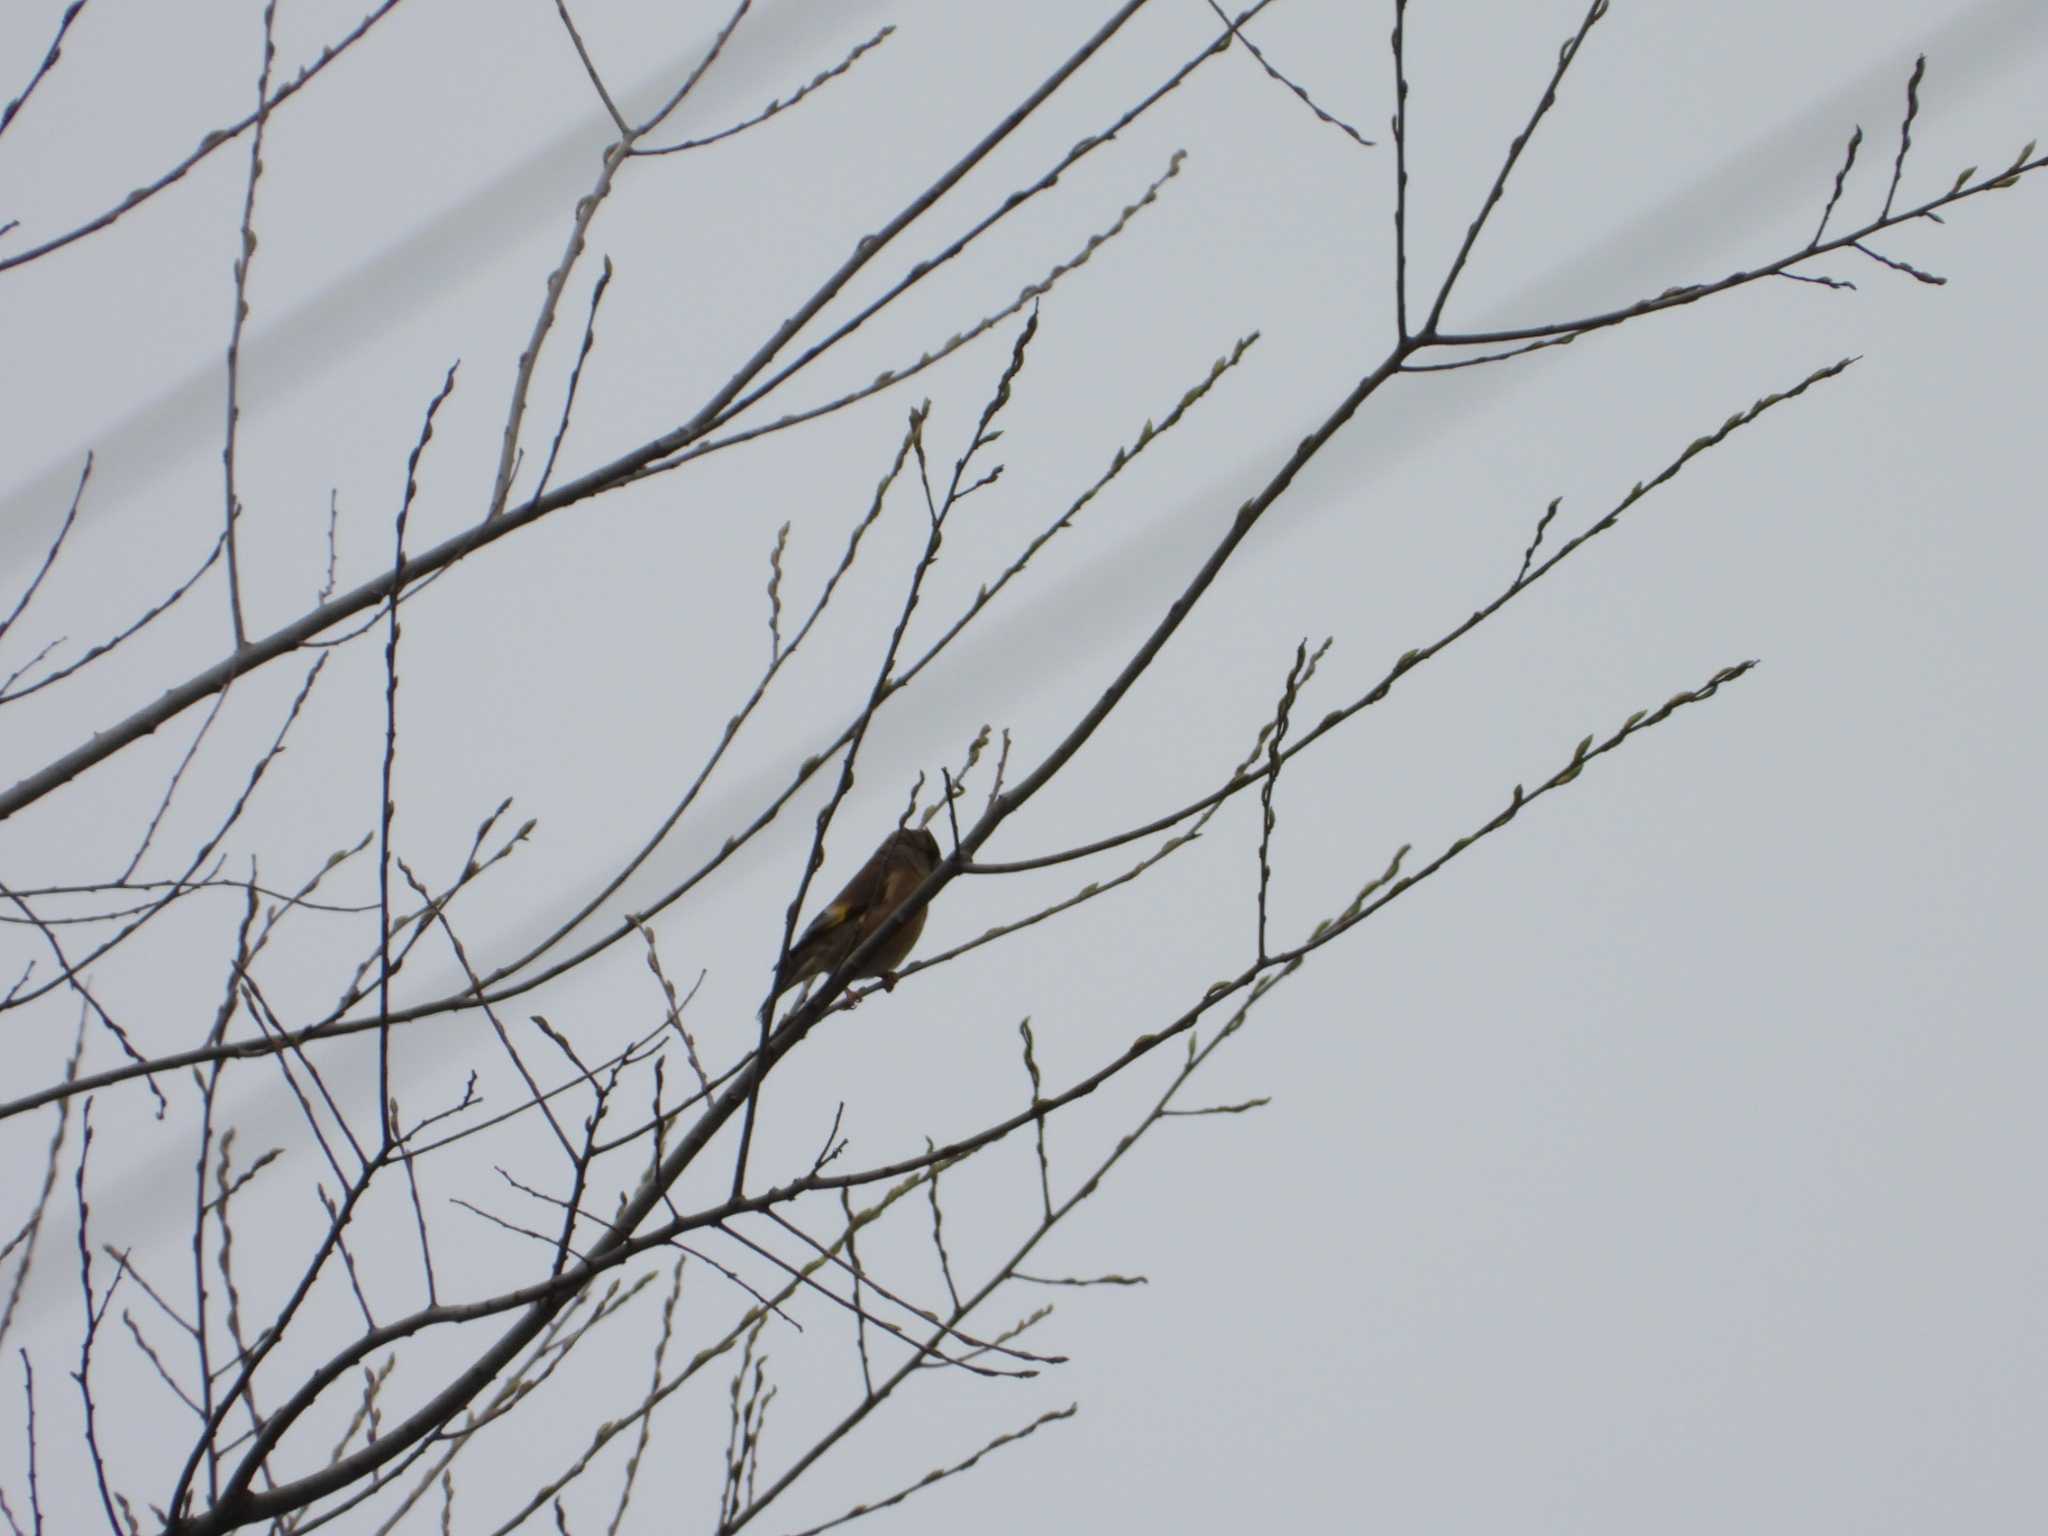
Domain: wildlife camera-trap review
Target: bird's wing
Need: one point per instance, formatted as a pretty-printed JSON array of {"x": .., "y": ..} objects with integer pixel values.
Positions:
[
  {"x": 826, "y": 921},
  {"x": 897, "y": 884}
]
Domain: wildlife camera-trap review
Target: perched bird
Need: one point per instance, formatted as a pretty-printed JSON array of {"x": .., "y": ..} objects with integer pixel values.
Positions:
[{"x": 897, "y": 868}]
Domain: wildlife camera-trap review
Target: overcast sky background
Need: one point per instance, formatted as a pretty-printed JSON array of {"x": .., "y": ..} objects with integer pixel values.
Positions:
[{"x": 1672, "y": 1161}]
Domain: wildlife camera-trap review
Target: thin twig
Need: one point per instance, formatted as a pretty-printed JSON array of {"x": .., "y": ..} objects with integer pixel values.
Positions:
[
  {"x": 49, "y": 63},
  {"x": 1544, "y": 103},
  {"x": 70, "y": 514},
  {"x": 776, "y": 107},
  {"x": 208, "y": 144},
  {"x": 1905, "y": 131},
  {"x": 590, "y": 69},
  {"x": 386, "y": 802},
  {"x": 604, "y": 281},
  {"x": 1400, "y": 127},
  {"x": 940, "y": 1474},
  {"x": 1300, "y": 92},
  {"x": 148, "y": 616},
  {"x": 1841, "y": 176},
  {"x": 241, "y": 317}
]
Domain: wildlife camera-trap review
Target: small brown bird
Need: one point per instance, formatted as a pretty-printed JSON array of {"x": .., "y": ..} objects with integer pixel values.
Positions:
[{"x": 884, "y": 882}]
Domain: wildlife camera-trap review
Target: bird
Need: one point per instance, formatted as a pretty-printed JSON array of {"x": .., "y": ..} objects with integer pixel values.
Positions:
[{"x": 896, "y": 869}]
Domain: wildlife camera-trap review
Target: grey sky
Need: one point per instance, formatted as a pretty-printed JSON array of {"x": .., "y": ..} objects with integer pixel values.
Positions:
[{"x": 1667, "y": 1162}]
